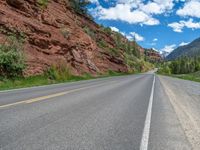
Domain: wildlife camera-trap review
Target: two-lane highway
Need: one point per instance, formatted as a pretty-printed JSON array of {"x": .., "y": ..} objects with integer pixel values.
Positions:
[{"x": 119, "y": 113}]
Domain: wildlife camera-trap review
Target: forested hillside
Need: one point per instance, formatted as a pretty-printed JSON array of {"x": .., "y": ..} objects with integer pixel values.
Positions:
[{"x": 190, "y": 50}]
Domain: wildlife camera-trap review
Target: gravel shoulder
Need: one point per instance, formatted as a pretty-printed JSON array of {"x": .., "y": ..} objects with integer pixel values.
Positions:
[{"x": 185, "y": 99}]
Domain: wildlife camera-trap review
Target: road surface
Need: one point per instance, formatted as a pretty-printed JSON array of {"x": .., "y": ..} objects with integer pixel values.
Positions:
[{"x": 133, "y": 112}]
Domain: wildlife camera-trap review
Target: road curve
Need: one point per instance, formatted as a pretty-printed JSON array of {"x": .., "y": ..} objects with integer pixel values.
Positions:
[{"x": 101, "y": 114}]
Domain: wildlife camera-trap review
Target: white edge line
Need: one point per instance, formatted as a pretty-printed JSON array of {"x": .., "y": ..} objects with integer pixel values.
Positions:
[{"x": 146, "y": 130}]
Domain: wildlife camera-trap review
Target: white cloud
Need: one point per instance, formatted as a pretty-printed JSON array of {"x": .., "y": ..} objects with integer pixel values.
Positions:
[
  {"x": 155, "y": 39},
  {"x": 134, "y": 11},
  {"x": 168, "y": 48},
  {"x": 129, "y": 37},
  {"x": 114, "y": 29},
  {"x": 117, "y": 30},
  {"x": 178, "y": 26},
  {"x": 124, "y": 12},
  {"x": 157, "y": 6},
  {"x": 94, "y": 1},
  {"x": 183, "y": 43},
  {"x": 137, "y": 36},
  {"x": 191, "y": 8}
]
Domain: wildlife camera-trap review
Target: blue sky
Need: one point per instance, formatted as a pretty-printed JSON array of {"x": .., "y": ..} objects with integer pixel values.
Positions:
[{"x": 159, "y": 24}]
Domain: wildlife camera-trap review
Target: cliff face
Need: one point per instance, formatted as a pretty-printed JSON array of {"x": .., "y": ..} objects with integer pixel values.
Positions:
[
  {"x": 55, "y": 34},
  {"x": 152, "y": 55}
]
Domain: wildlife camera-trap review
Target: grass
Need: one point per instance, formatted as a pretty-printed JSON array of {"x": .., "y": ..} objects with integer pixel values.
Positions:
[
  {"x": 6, "y": 84},
  {"x": 192, "y": 76}
]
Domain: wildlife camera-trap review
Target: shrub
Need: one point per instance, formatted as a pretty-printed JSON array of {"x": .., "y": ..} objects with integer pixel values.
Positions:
[
  {"x": 114, "y": 51},
  {"x": 59, "y": 72},
  {"x": 107, "y": 30},
  {"x": 102, "y": 44},
  {"x": 79, "y": 6},
  {"x": 43, "y": 3},
  {"x": 90, "y": 32},
  {"x": 12, "y": 62}
]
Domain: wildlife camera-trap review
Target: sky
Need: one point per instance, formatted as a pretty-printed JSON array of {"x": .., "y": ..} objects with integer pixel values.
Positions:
[{"x": 159, "y": 24}]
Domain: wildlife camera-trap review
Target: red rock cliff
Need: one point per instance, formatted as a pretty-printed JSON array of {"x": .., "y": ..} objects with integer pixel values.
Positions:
[{"x": 56, "y": 34}]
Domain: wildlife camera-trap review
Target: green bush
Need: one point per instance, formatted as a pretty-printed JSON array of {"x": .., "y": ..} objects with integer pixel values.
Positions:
[
  {"x": 114, "y": 51},
  {"x": 43, "y": 3},
  {"x": 79, "y": 6},
  {"x": 12, "y": 62},
  {"x": 102, "y": 44},
  {"x": 59, "y": 73},
  {"x": 107, "y": 30},
  {"x": 90, "y": 32}
]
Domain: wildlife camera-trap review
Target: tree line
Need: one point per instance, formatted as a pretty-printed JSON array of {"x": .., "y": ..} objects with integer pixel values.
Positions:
[{"x": 183, "y": 65}]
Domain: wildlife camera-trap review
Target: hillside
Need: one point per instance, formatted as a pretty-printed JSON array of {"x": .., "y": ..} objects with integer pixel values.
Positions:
[
  {"x": 191, "y": 50},
  {"x": 54, "y": 33},
  {"x": 152, "y": 56}
]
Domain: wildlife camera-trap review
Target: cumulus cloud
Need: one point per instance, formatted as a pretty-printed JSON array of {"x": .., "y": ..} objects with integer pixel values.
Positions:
[
  {"x": 134, "y": 11},
  {"x": 169, "y": 48},
  {"x": 136, "y": 36},
  {"x": 178, "y": 26},
  {"x": 157, "y": 6},
  {"x": 117, "y": 30},
  {"x": 190, "y": 8},
  {"x": 124, "y": 12}
]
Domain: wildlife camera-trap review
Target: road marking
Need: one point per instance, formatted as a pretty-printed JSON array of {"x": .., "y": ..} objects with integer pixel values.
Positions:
[
  {"x": 49, "y": 96},
  {"x": 146, "y": 130}
]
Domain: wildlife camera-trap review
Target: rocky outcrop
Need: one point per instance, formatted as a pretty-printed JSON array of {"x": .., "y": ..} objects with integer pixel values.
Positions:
[
  {"x": 55, "y": 34},
  {"x": 152, "y": 55}
]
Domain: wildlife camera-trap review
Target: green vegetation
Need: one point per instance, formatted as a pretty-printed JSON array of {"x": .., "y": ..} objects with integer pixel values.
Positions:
[
  {"x": 190, "y": 50},
  {"x": 80, "y": 6},
  {"x": 185, "y": 68},
  {"x": 114, "y": 51},
  {"x": 52, "y": 76},
  {"x": 102, "y": 44},
  {"x": 183, "y": 65},
  {"x": 107, "y": 30},
  {"x": 12, "y": 61},
  {"x": 90, "y": 32},
  {"x": 192, "y": 76},
  {"x": 43, "y": 3},
  {"x": 59, "y": 73}
]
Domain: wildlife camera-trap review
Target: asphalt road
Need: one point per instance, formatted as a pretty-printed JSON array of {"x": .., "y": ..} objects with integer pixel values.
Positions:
[{"x": 119, "y": 113}]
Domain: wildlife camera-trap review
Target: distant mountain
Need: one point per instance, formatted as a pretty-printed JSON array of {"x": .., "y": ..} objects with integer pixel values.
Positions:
[
  {"x": 164, "y": 54},
  {"x": 191, "y": 50}
]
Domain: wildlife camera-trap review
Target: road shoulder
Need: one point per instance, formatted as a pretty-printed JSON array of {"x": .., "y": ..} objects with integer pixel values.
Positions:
[
  {"x": 166, "y": 130},
  {"x": 185, "y": 105}
]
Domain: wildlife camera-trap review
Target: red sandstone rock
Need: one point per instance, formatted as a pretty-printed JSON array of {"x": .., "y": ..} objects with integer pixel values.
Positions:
[{"x": 56, "y": 34}]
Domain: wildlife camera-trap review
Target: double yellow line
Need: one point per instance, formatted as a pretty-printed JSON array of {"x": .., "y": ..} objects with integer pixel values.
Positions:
[{"x": 49, "y": 96}]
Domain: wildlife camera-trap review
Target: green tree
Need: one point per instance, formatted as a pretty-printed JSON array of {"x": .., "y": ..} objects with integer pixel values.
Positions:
[{"x": 80, "y": 6}]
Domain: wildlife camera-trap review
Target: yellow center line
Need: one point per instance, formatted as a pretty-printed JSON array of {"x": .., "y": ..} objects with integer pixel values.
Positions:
[{"x": 49, "y": 96}]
